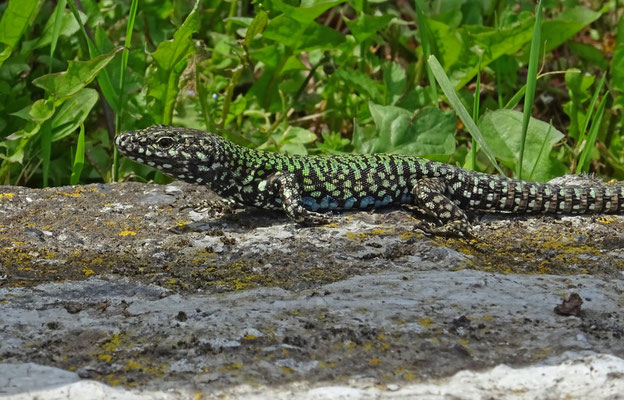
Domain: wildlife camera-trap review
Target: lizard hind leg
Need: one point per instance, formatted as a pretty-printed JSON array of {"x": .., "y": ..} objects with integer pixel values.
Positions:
[
  {"x": 288, "y": 190},
  {"x": 430, "y": 199}
]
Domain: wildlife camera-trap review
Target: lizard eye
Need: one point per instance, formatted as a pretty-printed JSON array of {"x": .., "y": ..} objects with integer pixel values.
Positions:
[{"x": 165, "y": 142}]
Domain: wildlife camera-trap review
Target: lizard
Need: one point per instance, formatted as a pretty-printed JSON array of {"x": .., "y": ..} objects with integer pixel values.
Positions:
[{"x": 307, "y": 187}]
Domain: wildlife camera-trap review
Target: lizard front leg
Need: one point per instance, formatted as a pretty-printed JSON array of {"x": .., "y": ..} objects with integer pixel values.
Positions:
[
  {"x": 430, "y": 199},
  {"x": 287, "y": 188}
]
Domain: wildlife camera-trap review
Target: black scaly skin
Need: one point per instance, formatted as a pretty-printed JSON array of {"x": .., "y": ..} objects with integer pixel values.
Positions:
[{"x": 303, "y": 185}]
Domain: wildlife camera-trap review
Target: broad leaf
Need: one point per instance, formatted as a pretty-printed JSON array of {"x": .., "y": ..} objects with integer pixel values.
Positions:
[
  {"x": 428, "y": 132},
  {"x": 502, "y": 132},
  {"x": 294, "y": 34},
  {"x": 567, "y": 24},
  {"x": 460, "y": 49},
  {"x": 72, "y": 113},
  {"x": 360, "y": 82},
  {"x": 309, "y": 10},
  {"x": 17, "y": 17},
  {"x": 67, "y": 27},
  {"x": 367, "y": 26},
  {"x": 78, "y": 75}
]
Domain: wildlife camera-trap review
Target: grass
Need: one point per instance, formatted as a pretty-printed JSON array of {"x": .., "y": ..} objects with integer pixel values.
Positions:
[
  {"x": 326, "y": 77},
  {"x": 536, "y": 44}
]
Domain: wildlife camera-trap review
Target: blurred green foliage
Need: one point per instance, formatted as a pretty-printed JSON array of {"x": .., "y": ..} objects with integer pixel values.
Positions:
[{"x": 308, "y": 76}]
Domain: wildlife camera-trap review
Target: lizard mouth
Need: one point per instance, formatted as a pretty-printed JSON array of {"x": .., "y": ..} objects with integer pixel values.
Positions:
[{"x": 125, "y": 144}]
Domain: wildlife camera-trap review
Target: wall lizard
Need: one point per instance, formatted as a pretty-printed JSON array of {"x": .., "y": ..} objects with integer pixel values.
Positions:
[{"x": 306, "y": 186}]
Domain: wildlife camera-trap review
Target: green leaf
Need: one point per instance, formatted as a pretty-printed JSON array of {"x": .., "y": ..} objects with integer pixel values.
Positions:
[
  {"x": 308, "y": 11},
  {"x": 256, "y": 27},
  {"x": 565, "y": 25},
  {"x": 589, "y": 53},
  {"x": 318, "y": 36},
  {"x": 366, "y": 26},
  {"x": 41, "y": 110},
  {"x": 429, "y": 132},
  {"x": 394, "y": 81},
  {"x": 295, "y": 134},
  {"x": 461, "y": 48},
  {"x": 79, "y": 159},
  {"x": 294, "y": 34},
  {"x": 617, "y": 63},
  {"x": 72, "y": 113},
  {"x": 17, "y": 17},
  {"x": 171, "y": 52},
  {"x": 78, "y": 75},
  {"x": 502, "y": 130},
  {"x": 171, "y": 57},
  {"x": 578, "y": 84},
  {"x": 360, "y": 82},
  {"x": 67, "y": 26}
]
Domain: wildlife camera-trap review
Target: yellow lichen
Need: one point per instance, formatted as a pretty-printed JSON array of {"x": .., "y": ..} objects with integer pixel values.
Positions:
[
  {"x": 130, "y": 365},
  {"x": 233, "y": 367},
  {"x": 126, "y": 233}
]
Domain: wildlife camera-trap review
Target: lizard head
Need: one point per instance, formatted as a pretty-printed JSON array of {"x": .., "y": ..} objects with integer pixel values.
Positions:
[{"x": 182, "y": 153}]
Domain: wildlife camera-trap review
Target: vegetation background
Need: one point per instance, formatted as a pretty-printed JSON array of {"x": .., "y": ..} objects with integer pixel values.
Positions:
[{"x": 313, "y": 77}]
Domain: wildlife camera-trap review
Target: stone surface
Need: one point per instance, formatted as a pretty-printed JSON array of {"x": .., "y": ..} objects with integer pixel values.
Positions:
[{"x": 132, "y": 285}]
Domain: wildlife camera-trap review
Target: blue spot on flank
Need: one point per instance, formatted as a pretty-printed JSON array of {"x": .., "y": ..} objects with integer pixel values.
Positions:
[
  {"x": 383, "y": 202},
  {"x": 328, "y": 203},
  {"x": 332, "y": 204},
  {"x": 348, "y": 204},
  {"x": 406, "y": 198},
  {"x": 310, "y": 203},
  {"x": 367, "y": 202}
]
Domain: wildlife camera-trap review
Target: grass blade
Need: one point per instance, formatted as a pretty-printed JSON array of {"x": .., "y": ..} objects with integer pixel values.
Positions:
[
  {"x": 461, "y": 111},
  {"x": 426, "y": 47},
  {"x": 227, "y": 101},
  {"x": 90, "y": 46},
  {"x": 584, "y": 136},
  {"x": 475, "y": 117},
  {"x": 592, "y": 104},
  {"x": 122, "y": 77},
  {"x": 79, "y": 159},
  {"x": 103, "y": 78},
  {"x": 60, "y": 7},
  {"x": 46, "y": 150},
  {"x": 583, "y": 163},
  {"x": 541, "y": 150},
  {"x": 531, "y": 83}
]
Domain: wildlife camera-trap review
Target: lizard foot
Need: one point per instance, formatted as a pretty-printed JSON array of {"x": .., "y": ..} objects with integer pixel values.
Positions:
[{"x": 457, "y": 227}]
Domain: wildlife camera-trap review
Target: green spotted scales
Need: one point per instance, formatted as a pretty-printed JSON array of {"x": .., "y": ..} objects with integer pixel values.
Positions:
[{"x": 306, "y": 186}]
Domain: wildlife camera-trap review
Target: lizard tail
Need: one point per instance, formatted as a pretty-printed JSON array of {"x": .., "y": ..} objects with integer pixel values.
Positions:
[{"x": 485, "y": 193}]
